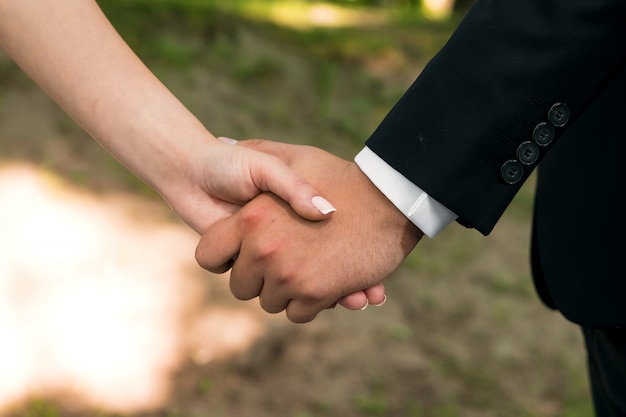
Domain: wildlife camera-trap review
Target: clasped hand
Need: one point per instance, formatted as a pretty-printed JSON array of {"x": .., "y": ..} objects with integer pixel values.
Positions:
[{"x": 302, "y": 266}]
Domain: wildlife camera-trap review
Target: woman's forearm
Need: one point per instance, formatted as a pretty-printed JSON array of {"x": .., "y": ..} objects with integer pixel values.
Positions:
[{"x": 69, "y": 48}]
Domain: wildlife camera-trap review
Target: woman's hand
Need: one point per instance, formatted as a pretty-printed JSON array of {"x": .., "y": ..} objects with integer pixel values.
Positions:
[{"x": 222, "y": 177}]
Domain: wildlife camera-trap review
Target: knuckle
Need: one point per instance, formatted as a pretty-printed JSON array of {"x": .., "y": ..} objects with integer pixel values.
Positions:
[
  {"x": 314, "y": 293},
  {"x": 300, "y": 317},
  {"x": 257, "y": 215},
  {"x": 202, "y": 257},
  {"x": 241, "y": 296},
  {"x": 267, "y": 250},
  {"x": 251, "y": 218},
  {"x": 240, "y": 293},
  {"x": 267, "y": 306},
  {"x": 286, "y": 279},
  {"x": 313, "y": 296}
]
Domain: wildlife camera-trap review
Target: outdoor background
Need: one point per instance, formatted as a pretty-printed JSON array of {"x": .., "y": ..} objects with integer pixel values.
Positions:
[{"x": 104, "y": 312}]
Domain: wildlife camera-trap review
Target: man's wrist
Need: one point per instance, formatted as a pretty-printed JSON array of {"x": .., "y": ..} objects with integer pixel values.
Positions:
[
  {"x": 380, "y": 209},
  {"x": 425, "y": 212}
]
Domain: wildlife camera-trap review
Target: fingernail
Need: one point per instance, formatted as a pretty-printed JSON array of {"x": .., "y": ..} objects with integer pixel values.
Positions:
[
  {"x": 228, "y": 141},
  {"x": 322, "y": 205},
  {"x": 366, "y": 304},
  {"x": 383, "y": 302}
]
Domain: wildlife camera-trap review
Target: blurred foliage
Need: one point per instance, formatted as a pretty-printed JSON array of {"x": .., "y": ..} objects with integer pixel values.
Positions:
[
  {"x": 461, "y": 5},
  {"x": 339, "y": 80}
]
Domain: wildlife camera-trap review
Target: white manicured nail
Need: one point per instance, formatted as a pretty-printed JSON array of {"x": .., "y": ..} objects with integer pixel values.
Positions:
[
  {"x": 228, "y": 141},
  {"x": 367, "y": 303},
  {"x": 383, "y": 302},
  {"x": 321, "y": 204}
]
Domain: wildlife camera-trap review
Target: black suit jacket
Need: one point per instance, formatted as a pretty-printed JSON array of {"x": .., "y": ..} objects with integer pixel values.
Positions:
[{"x": 520, "y": 84}]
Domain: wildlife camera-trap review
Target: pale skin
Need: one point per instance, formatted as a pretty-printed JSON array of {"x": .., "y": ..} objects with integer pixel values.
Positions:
[
  {"x": 69, "y": 48},
  {"x": 71, "y": 51},
  {"x": 300, "y": 266}
]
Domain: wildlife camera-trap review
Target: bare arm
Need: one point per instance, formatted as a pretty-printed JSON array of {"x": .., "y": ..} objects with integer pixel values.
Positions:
[{"x": 69, "y": 48}]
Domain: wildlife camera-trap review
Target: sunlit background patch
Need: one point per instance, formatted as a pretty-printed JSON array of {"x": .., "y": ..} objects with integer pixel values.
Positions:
[{"x": 99, "y": 300}]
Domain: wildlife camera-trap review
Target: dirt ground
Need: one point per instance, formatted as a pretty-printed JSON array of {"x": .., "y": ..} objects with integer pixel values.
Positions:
[{"x": 119, "y": 320}]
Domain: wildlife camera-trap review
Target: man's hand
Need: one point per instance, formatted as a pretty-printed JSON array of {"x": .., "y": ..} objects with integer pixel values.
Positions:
[{"x": 304, "y": 267}]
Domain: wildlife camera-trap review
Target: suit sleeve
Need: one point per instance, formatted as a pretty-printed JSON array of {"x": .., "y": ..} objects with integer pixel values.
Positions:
[{"x": 497, "y": 97}]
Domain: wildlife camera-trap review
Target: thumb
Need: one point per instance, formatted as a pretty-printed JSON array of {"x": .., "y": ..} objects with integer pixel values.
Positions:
[{"x": 270, "y": 173}]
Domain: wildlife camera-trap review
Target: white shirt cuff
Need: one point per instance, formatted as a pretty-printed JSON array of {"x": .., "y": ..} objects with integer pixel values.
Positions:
[{"x": 425, "y": 212}]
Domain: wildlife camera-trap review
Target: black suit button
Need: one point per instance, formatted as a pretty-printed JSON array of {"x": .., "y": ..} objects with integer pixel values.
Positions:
[
  {"x": 543, "y": 134},
  {"x": 559, "y": 114},
  {"x": 512, "y": 171},
  {"x": 528, "y": 153}
]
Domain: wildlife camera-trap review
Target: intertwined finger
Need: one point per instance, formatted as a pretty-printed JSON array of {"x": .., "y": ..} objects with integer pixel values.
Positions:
[{"x": 219, "y": 245}]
